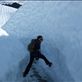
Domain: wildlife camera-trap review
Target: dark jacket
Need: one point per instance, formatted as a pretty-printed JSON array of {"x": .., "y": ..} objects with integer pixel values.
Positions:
[{"x": 37, "y": 45}]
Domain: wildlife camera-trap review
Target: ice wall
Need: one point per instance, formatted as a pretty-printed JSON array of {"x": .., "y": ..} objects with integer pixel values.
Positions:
[{"x": 60, "y": 24}]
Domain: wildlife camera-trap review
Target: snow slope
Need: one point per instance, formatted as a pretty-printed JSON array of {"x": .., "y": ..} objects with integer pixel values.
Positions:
[{"x": 60, "y": 24}]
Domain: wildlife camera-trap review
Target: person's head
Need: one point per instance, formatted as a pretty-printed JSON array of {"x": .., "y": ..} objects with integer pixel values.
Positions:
[{"x": 40, "y": 38}]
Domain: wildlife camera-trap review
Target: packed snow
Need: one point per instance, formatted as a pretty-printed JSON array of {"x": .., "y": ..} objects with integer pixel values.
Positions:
[{"x": 60, "y": 24}]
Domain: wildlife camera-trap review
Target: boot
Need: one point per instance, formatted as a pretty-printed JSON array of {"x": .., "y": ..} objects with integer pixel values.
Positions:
[{"x": 50, "y": 64}]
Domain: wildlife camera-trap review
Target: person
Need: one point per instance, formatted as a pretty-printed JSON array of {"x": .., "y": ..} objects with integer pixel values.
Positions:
[{"x": 35, "y": 53}]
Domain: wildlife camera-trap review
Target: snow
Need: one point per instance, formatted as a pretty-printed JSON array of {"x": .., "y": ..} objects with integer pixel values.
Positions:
[
  {"x": 3, "y": 33},
  {"x": 5, "y": 13},
  {"x": 60, "y": 24},
  {"x": 10, "y": 54},
  {"x": 11, "y": 1}
]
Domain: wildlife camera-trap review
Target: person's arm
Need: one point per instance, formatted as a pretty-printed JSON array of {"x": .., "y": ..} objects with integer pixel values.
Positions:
[{"x": 38, "y": 46}]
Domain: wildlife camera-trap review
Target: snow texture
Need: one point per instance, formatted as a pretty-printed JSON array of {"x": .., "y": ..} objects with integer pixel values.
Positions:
[
  {"x": 5, "y": 13},
  {"x": 60, "y": 24}
]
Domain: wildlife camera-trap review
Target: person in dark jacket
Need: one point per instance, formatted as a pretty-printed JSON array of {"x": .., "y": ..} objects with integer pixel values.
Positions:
[{"x": 35, "y": 53}]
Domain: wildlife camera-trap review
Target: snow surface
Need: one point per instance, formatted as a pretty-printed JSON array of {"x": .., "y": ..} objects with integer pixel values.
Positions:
[
  {"x": 10, "y": 54},
  {"x": 3, "y": 32},
  {"x": 5, "y": 14},
  {"x": 60, "y": 24}
]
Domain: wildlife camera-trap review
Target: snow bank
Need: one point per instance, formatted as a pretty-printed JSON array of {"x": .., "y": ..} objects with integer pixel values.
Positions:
[{"x": 60, "y": 24}]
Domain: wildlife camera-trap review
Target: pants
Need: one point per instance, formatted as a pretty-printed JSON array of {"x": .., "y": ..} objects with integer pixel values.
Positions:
[{"x": 33, "y": 55}]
